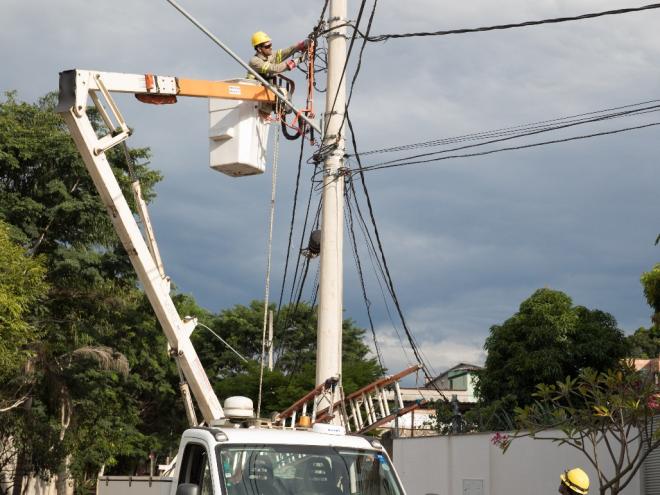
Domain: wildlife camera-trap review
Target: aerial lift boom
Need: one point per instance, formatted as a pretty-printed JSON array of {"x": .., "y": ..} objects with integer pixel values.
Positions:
[
  {"x": 214, "y": 459},
  {"x": 76, "y": 87}
]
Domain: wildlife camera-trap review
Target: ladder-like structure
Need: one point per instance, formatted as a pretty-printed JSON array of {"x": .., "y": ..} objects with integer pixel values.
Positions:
[
  {"x": 307, "y": 405},
  {"x": 360, "y": 412}
]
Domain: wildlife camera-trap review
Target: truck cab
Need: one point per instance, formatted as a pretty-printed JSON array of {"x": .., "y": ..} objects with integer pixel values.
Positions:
[{"x": 264, "y": 461}]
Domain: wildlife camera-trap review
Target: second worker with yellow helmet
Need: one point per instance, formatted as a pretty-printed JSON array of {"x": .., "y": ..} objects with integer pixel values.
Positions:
[
  {"x": 268, "y": 63},
  {"x": 574, "y": 482}
]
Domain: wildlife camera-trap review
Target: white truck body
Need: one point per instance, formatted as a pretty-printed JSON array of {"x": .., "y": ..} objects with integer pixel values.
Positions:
[
  {"x": 264, "y": 461},
  {"x": 144, "y": 485}
]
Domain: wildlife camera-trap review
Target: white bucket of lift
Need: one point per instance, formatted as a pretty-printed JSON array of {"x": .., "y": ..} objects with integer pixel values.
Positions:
[{"x": 238, "y": 137}]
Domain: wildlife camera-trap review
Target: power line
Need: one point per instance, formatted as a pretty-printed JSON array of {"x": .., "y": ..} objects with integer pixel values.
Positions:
[
  {"x": 293, "y": 219},
  {"x": 359, "y": 62},
  {"x": 511, "y": 148},
  {"x": 385, "y": 37},
  {"x": 223, "y": 341},
  {"x": 291, "y": 313},
  {"x": 377, "y": 268},
  {"x": 533, "y": 131},
  {"x": 358, "y": 266},
  {"x": 348, "y": 56},
  {"x": 503, "y": 131},
  {"x": 389, "y": 281}
]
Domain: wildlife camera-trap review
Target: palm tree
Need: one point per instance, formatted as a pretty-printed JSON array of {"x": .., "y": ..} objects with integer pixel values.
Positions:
[{"x": 53, "y": 371}]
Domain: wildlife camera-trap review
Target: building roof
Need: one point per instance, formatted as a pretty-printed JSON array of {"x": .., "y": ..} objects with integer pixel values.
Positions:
[
  {"x": 651, "y": 365},
  {"x": 458, "y": 367}
]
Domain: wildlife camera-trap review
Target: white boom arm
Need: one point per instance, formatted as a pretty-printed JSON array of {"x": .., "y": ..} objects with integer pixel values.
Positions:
[{"x": 75, "y": 88}]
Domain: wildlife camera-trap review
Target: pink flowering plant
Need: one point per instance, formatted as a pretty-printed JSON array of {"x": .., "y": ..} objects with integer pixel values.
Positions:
[
  {"x": 653, "y": 402},
  {"x": 616, "y": 409},
  {"x": 501, "y": 440}
]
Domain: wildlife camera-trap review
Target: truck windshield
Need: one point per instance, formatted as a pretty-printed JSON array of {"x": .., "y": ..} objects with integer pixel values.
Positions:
[{"x": 294, "y": 469}]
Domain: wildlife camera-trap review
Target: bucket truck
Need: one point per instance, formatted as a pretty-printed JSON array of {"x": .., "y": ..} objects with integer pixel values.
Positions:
[{"x": 231, "y": 452}]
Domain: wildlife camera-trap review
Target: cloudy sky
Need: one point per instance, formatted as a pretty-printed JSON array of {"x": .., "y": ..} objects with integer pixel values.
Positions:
[{"x": 467, "y": 239}]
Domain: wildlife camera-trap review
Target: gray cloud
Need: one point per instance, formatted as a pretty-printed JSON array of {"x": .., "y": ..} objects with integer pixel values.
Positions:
[{"x": 467, "y": 240}]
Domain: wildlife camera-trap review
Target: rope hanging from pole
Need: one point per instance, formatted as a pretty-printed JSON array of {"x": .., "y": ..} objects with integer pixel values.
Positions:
[{"x": 276, "y": 156}]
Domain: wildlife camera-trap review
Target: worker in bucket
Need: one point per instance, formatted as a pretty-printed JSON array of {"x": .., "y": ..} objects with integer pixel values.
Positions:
[
  {"x": 574, "y": 481},
  {"x": 269, "y": 63}
]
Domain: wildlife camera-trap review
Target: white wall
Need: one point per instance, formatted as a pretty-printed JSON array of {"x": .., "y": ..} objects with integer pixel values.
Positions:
[{"x": 460, "y": 464}]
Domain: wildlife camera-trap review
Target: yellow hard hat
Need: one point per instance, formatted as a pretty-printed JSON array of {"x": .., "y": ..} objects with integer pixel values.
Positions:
[
  {"x": 259, "y": 37},
  {"x": 577, "y": 480}
]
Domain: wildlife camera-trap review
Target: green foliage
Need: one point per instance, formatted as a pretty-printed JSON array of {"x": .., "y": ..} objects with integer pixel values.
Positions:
[
  {"x": 651, "y": 284},
  {"x": 644, "y": 343},
  {"x": 45, "y": 189},
  {"x": 294, "y": 352},
  {"x": 103, "y": 390},
  {"x": 81, "y": 414},
  {"x": 446, "y": 420},
  {"x": 615, "y": 409},
  {"x": 545, "y": 341},
  {"x": 22, "y": 286}
]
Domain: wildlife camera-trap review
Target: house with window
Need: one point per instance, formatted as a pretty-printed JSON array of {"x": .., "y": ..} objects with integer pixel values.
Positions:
[{"x": 458, "y": 381}]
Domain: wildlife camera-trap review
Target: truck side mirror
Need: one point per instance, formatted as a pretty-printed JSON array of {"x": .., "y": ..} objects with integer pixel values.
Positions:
[{"x": 187, "y": 489}]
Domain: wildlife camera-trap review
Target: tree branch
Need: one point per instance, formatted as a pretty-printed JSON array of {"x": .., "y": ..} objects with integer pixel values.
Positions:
[
  {"x": 15, "y": 404},
  {"x": 637, "y": 463}
]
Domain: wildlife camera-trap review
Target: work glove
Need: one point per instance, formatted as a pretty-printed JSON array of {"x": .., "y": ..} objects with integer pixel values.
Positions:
[
  {"x": 291, "y": 64},
  {"x": 302, "y": 45}
]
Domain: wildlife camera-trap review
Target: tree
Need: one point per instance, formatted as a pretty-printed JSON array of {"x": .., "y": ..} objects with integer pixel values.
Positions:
[
  {"x": 645, "y": 342},
  {"x": 54, "y": 212},
  {"x": 545, "y": 341},
  {"x": 615, "y": 410},
  {"x": 22, "y": 286},
  {"x": 651, "y": 284},
  {"x": 84, "y": 417},
  {"x": 294, "y": 352}
]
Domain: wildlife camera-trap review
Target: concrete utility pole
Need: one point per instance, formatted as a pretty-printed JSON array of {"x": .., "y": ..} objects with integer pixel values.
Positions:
[{"x": 329, "y": 335}]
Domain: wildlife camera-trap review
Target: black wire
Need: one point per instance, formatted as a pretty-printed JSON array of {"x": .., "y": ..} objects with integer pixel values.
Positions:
[
  {"x": 302, "y": 239},
  {"x": 293, "y": 219},
  {"x": 384, "y": 37},
  {"x": 358, "y": 265},
  {"x": 320, "y": 66},
  {"x": 316, "y": 32},
  {"x": 359, "y": 63},
  {"x": 316, "y": 286},
  {"x": 511, "y": 148},
  {"x": 322, "y": 153},
  {"x": 348, "y": 56},
  {"x": 376, "y": 264},
  {"x": 298, "y": 284},
  {"x": 495, "y": 132},
  {"x": 389, "y": 281},
  {"x": 339, "y": 26},
  {"x": 303, "y": 278},
  {"x": 381, "y": 274},
  {"x": 290, "y": 314},
  {"x": 377, "y": 267},
  {"x": 531, "y": 133},
  {"x": 313, "y": 35}
]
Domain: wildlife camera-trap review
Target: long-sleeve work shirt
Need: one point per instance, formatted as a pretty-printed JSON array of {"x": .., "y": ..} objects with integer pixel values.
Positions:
[{"x": 273, "y": 64}]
